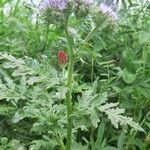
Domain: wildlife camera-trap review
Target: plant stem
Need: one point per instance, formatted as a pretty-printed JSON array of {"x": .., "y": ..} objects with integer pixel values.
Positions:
[
  {"x": 69, "y": 86},
  {"x": 46, "y": 38},
  {"x": 60, "y": 141},
  {"x": 92, "y": 69}
]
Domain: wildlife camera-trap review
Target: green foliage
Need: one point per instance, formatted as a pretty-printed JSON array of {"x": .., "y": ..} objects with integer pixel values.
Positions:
[
  {"x": 38, "y": 92},
  {"x": 111, "y": 98}
]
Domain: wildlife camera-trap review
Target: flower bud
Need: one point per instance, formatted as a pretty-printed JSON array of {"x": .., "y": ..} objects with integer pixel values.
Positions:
[{"x": 62, "y": 57}]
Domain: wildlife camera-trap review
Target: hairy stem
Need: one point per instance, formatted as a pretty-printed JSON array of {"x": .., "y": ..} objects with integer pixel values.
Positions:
[
  {"x": 46, "y": 38},
  {"x": 69, "y": 86},
  {"x": 92, "y": 70}
]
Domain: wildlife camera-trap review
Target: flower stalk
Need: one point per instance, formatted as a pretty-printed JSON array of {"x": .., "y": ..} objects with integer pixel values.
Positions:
[{"x": 69, "y": 86}]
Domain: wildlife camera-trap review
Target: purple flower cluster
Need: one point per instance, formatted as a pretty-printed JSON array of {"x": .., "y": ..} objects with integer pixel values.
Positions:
[
  {"x": 58, "y": 4},
  {"x": 88, "y": 2},
  {"x": 106, "y": 9}
]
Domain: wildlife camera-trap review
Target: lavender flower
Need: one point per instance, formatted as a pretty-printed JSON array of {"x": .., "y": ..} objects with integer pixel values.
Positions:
[
  {"x": 88, "y": 2},
  {"x": 108, "y": 10},
  {"x": 58, "y": 4}
]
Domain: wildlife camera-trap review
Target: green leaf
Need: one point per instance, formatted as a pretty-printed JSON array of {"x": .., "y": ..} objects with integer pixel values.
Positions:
[
  {"x": 95, "y": 119},
  {"x": 110, "y": 148},
  {"x": 144, "y": 37},
  {"x": 127, "y": 104},
  {"x": 6, "y": 110},
  {"x": 78, "y": 146},
  {"x": 121, "y": 140},
  {"x": 100, "y": 135},
  {"x": 115, "y": 114},
  {"x": 127, "y": 76},
  {"x": 4, "y": 140},
  {"x": 138, "y": 142}
]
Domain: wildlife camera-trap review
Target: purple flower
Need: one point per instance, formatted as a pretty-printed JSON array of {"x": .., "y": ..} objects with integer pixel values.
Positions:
[
  {"x": 88, "y": 2},
  {"x": 108, "y": 10},
  {"x": 58, "y": 4}
]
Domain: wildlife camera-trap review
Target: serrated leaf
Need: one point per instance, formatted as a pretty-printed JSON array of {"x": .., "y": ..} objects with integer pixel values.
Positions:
[
  {"x": 115, "y": 114},
  {"x": 95, "y": 119}
]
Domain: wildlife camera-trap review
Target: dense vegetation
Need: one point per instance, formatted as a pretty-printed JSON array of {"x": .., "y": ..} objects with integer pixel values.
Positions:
[{"x": 74, "y": 76}]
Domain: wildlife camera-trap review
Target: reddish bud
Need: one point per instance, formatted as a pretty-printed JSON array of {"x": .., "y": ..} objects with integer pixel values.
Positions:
[{"x": 62, "y": 57}]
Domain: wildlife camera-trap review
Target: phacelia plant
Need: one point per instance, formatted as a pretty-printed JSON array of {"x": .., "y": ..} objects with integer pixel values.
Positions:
[
  {"x": 102, "y": 10},
  {"x": 60, "y": 107}
]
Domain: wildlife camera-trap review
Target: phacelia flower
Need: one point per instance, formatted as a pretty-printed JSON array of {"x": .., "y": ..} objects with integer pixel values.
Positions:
[
  {"x": 88, "y": 2},
  {"x": 62, "y": 57},
  {"x": 57, "y": 4},
  {"x": 108, "y": 10}
]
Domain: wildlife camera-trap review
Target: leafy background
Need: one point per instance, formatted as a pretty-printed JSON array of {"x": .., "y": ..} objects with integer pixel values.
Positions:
[{"x": 114, "y": 75}]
